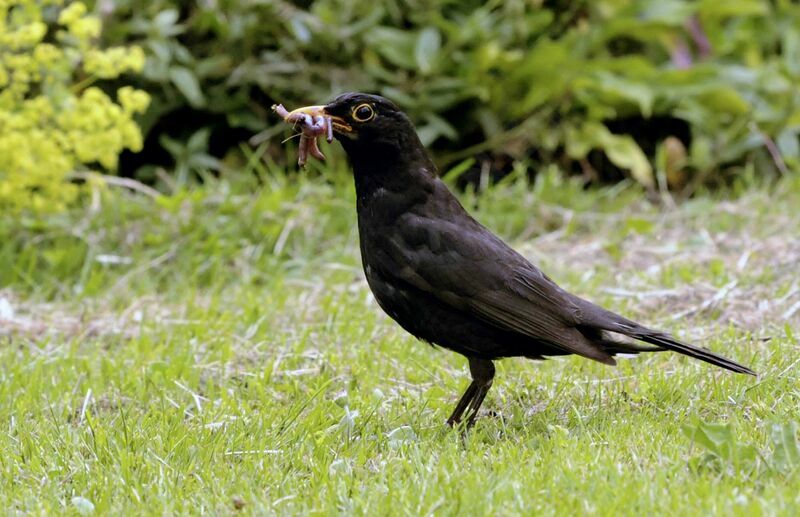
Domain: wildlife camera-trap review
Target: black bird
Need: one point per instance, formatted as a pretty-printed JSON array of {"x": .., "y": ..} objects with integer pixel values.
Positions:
[{"x": 447, "y": 279}]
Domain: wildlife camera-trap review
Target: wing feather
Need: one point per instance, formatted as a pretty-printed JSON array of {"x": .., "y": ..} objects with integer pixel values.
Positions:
[{"x": 469, "y": 271}]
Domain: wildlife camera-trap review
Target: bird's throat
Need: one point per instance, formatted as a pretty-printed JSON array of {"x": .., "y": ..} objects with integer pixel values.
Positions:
[{"x": 389, "y": 167}]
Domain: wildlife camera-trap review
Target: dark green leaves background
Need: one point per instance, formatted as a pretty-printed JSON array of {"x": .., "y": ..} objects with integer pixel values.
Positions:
[{"x": 688, "y": 92}]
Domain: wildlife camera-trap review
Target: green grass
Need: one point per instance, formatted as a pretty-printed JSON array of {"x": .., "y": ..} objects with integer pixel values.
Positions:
[{"x": 234, "y": 356}]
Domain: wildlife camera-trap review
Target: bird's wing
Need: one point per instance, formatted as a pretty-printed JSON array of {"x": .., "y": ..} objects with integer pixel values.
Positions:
[{"x": 471, "y": 270}]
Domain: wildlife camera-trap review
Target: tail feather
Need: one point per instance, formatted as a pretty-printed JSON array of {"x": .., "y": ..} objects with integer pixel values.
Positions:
[
  {"x": 593, "y": 316},
  {"x": 668, "y": 342},
  {"x": 613, "y": 347}
]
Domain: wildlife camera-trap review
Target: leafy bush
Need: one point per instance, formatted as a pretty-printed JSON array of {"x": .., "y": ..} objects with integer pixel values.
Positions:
[
  {"x": 685, "y": 87},
  {"x": 52, "y": 119}
]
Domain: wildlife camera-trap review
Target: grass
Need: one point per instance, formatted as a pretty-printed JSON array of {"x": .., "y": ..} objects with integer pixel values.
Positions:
[{"x": 218, "y": 350}]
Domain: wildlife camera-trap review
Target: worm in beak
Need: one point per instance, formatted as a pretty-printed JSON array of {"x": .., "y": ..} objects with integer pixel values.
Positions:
[{"x": 313, "y": 122}]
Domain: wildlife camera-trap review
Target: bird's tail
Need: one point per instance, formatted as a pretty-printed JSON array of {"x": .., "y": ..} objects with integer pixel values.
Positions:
[
  {"x": 598, "y": 318},
  {"x": 667, "y": 342}
]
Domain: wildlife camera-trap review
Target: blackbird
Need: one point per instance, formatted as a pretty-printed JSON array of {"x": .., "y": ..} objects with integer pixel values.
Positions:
[{"x": 451, "y": 282}]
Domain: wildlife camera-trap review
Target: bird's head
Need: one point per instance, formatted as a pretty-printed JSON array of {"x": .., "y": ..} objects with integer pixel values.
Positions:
[
  {"x": 366, "y": 124},
  {"x": 379, "y": 139}
]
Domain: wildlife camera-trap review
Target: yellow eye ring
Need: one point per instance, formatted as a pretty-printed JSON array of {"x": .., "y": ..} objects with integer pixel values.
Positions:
[{"x": 363, "y": 113}]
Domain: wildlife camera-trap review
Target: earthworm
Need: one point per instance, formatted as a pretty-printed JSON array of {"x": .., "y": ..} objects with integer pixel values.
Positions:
[
  {"x": 310, "y": 129},
  {"x": 313, "y": 148},
  {"x": 322, "y": 125}
]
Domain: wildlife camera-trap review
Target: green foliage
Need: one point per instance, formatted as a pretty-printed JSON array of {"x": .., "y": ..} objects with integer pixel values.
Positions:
[
  {"x": 591, "y": 85},
  {"x": 719, "y": 441},
  {"x": 724, "y": 449},
  {"x": 52, "y": 120},
  {"x": 218, "y": 350}
]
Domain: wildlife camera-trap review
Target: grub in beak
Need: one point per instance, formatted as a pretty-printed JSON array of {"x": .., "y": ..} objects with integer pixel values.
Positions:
[{"x": 314, "y": 122}]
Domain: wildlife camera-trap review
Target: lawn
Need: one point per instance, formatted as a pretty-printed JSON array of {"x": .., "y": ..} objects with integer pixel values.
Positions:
[{"x": 218, "y": 350}]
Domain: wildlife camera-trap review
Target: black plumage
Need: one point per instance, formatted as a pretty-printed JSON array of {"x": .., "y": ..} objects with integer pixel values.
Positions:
[{"x": 448, "y": 280}]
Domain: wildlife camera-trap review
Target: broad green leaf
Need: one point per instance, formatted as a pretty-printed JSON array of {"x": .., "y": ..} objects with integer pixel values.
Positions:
[
  {"x": 205, "y": 161},
  {"x": 212, "y": 66},
  {"x": 187, "y": 84},
  {"x": 725, "y": 99},
  {"x": 400, "y": 97},
  {"x": 395, "y": 45},
  {"x": 700, "y": 153},
  {"x": 444, "y": 127},
  {"x": 300, "y": 30},
  {"x": 166, "y": 23},
  {"x": 786, "y": 449},
  {"x": 622, "y": 150},
  {"x": 634, "y": 28},
  {"x": 728, "y": 8},
  {"x": 715, "y": 438},
  {"x": 160, "y": 49},
  {"x": 670, "y": 12},
  {"x": 788, "y": 142},
  {"x": 434, "y": 128},
  {"x": 791, "y": 51},
  {"x": 545, "y": 73},
  {"x": 579, "y": 141},
  {"x": 619, "y": 88},
  {"x": 198, "y": 142},
  {"x": 428, "y": 44}
]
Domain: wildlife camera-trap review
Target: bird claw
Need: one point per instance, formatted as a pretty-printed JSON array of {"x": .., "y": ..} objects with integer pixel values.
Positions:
[{"x": 489, "y": 413}]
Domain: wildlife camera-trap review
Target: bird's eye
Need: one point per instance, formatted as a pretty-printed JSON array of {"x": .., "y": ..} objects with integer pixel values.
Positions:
[{"x": 363, "y": 113}]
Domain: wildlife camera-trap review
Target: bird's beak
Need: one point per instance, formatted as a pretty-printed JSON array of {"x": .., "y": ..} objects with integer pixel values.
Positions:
[{"x": 338, "y": 123}]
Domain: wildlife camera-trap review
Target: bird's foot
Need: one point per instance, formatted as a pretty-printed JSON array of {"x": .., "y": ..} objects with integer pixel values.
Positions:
[{"x": 489, "y": 413}]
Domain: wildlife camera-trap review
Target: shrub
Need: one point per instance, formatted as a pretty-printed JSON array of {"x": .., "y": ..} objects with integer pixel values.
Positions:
[
  {"x": 53, "y": 120},
  {"x": 686, "y": 87}
]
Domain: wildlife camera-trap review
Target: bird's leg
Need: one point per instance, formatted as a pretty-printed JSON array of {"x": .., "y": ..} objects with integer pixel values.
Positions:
[
  {"x": 482, "y": 371},
  {"x": 463, "y": 402}
]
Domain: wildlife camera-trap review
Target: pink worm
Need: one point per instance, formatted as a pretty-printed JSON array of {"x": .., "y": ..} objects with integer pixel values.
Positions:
[{"x": 310, "y": 129}]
